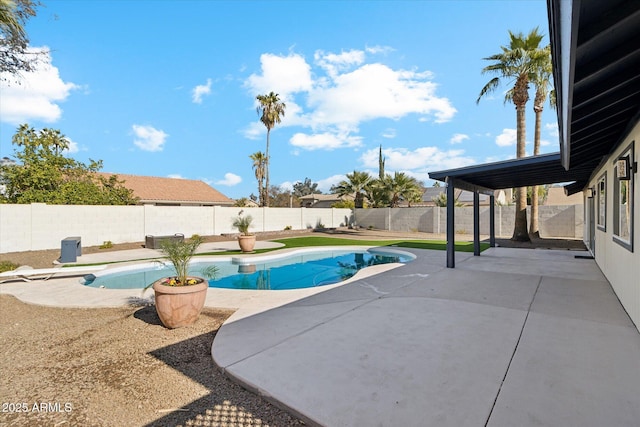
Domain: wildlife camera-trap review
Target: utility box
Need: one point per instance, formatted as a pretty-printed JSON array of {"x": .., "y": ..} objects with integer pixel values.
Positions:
[{"x": 71, "y": 249}]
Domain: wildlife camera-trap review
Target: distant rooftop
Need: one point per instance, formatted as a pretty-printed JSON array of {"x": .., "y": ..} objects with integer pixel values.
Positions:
[{"x": 171, "y": 191}]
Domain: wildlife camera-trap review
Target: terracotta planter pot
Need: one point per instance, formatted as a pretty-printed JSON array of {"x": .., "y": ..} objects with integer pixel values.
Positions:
[
  {"x": 179, "y": 306},
  {"x": 247, "y": 243}
]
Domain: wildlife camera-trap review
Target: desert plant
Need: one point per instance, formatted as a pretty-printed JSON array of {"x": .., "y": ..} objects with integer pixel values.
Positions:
[
  {"x": 107, "y": 244},
  {"x": 178, "y": 254},
  {"x": 7, "y": 266},
  {"x": 288, "y": 227},
  {"x": 242, "y": 223}
]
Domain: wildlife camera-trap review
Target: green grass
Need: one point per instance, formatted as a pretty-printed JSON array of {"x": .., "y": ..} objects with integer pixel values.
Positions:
[{"x": 440, "y": 245}]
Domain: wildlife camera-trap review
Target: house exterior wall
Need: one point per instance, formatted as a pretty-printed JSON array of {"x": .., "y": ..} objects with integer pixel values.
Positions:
[
  {"x": 619, "y": 264},
  {"x": 40, "y": 226},
  {"x": 554, "y": 221}
]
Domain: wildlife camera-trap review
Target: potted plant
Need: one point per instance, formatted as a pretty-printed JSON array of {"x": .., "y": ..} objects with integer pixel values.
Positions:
[
  {"x": 179, "y": 299},
  {"x": 246, "y": 240}
]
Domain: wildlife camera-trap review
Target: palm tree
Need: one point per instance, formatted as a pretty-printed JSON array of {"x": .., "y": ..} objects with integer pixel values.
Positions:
[
  {"x": 10, "y": 24},
  {"x": 542, "y": 82},
  {"x": 259, "y": 161},
  {"x": 400, "y": 186},
  {"x": 516, "y": 62},
  {"x": 271, "y": 109},
  {"x": 355, "y": 185}
]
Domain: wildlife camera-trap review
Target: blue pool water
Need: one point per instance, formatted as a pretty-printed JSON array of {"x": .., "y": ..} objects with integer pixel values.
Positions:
[{"x": 296, "y": 271}]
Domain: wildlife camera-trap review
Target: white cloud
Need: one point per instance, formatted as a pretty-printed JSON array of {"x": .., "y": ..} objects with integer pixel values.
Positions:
[
  {"x": 230, "y": 179},
  {"x": 148, "y": 138},
  {"x": 175, "y": 176},
  {"x": 333, "y": 63},
  {"x": 379, "y": 49},
  {"x": 341, "y": 92},
  {"x": 389, "y": 133},
  {"x": 73, "y": 147},
  {"x": 507, "y": 137},
  {"x": 325, "y": 185},
  {"x": 458, "y": 138},
  {"x": 544, "y": 143},
  {"x": 416, "y": 161},
  {"x": 375, "y": 91},
  {"x": 286, "y": 186},
  {"x": 552, "y": 128},
  {"x": 200, "y": 91},
  {"x": 282, "y": 75},
  {"x": 37, "y": 95},
  {"x": 325, "y": 141}
]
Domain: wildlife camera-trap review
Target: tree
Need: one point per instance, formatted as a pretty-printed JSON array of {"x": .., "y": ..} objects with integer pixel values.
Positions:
[
  {"x": 400, "y": 187},
  {"x": 44, "y": 175},
  {"x": 271, "y": 109},
  {"x": 305, "y": 188},
  {"x": 15, "y": 55},
  {"x": 541, "y": 79},
  {"x": 441, "y": 200},
  {"x": 282, "y": 198},
  {"x": 355, "y": 185},
  {"x": 259, "y": 165},
  {"x": 242, "y": 202},
  {"x": 516, "y": 62},
  {"x": 381, "y": 161}
]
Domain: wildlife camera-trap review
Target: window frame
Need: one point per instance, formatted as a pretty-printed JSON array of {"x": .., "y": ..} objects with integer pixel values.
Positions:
[
  {"x": 627, "y": 244},
  {"x": 601, "y": 202}
]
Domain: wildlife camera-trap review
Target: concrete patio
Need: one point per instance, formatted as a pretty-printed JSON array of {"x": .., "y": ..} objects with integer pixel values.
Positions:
[{"x": 515, "y": 337}]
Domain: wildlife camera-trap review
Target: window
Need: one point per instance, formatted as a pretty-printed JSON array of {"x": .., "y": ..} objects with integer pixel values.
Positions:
[
  {"x": 601, "y": 191},
  {"x": 623, "y": 203}
]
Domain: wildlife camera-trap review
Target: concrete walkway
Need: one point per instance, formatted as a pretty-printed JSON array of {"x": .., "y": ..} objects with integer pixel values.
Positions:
[{"x": 515, "y": 337}]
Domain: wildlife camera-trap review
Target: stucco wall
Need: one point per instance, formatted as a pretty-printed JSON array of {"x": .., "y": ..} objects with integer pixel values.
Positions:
[
  {"x": 620, "y": 265},
  {"x": 40, "y": 226},
  {"x": 554, "y": 221}
]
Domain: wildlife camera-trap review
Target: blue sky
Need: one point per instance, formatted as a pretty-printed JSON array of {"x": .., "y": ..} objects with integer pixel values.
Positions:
[{"x": 167, "y": 88}]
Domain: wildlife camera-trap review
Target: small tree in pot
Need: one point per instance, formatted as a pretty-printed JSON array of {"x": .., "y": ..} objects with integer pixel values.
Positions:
[
  {"x": 180, "y": 298},
  {"x": 246, "y": 240}
]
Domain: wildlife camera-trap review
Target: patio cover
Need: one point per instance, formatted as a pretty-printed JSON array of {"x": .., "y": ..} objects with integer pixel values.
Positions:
[{"x": 523, "y": 172}]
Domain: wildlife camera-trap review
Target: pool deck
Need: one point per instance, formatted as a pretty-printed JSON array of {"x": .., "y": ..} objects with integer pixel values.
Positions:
[{"x": 515, "y": 337}]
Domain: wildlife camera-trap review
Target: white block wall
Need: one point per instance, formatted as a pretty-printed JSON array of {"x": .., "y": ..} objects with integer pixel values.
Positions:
[
  {"x": 554, "y": 221},
  {"x": 40, "y": 226}
]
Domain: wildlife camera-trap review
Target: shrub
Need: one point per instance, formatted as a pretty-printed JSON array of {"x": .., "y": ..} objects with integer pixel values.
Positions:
[
  {"x": 106, "y": 244},
  {"x": 7, "y": 266}
]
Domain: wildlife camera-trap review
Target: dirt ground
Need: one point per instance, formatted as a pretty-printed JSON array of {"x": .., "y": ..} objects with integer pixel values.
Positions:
[{"x": 117, "y": 367}]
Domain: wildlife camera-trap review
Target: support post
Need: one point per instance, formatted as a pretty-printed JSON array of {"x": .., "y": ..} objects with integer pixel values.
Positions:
[
  {"x": 476, "y": 223},
  {"x": 451, "y": 231},
  {"x": 492, "y": 221}
]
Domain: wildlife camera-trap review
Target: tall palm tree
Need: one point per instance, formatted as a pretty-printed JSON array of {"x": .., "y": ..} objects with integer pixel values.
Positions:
[
  {"x": 259, "y": 161},
  {"x": 355, "y": 185},
  {"x": 271, "y": 111},
  {"x": 516, "y": 63},
  {"x": 541, "y": 79}
]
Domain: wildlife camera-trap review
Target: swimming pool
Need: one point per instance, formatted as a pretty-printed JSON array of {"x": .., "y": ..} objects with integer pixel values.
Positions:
[{"x": 302, "y": 268}]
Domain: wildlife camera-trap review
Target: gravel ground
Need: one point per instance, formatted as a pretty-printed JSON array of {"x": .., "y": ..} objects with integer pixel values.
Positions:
[{"x": 117, "y": 367}]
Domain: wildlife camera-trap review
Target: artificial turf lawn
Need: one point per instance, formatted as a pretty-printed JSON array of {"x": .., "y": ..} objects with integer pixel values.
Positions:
[{"x": 441, "y": 245}]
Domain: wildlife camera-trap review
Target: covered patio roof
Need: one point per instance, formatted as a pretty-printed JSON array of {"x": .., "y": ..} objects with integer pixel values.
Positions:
[{"x": 527, "y": 171}]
